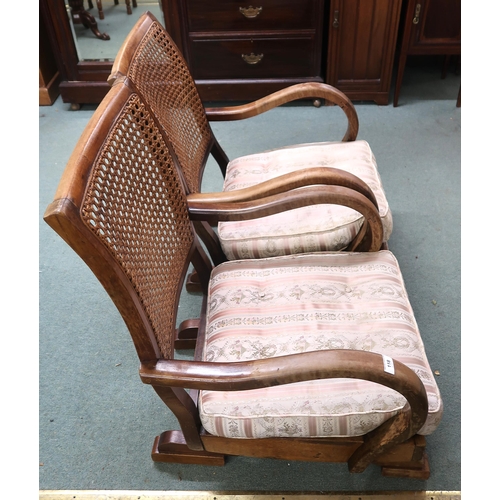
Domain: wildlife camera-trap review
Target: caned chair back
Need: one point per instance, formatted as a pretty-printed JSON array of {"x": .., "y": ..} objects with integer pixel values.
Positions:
[
  {"x": 155, "y": 66},
  {"x": 121, "y": 206}
]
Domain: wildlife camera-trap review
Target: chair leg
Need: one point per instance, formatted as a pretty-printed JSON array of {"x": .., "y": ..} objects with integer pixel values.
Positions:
[
  {"x": 99, "y": 9},
  {"x": 170, "y": 446},
  {"x": 129, "y": 8},
  {"x": 380, "y": 441},
  {"x": 90, "y": 23}
]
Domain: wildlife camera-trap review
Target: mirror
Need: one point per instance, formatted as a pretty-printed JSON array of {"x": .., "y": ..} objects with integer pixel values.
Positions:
[{"x": 99, "y": 27}]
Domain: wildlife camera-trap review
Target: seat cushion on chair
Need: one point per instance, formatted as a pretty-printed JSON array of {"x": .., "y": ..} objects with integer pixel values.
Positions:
[
  {"x": 286, "y": 305},
  {"x": 307, "y": 229}
]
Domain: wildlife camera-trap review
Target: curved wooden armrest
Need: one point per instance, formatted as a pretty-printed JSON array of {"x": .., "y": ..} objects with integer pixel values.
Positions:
[
  {"x": 293, "y": 180},
  {"x": 213, "y": 211},
  {"x": 338, "y": 363},
  {"x": 292, "y": 93}
]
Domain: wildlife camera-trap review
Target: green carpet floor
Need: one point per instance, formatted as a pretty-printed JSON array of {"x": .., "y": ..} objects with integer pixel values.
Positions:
[{"x": 97, "y": 420}]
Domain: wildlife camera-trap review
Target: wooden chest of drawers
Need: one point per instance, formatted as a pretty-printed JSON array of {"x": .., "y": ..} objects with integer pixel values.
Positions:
[{"x": 240, "y": 50}]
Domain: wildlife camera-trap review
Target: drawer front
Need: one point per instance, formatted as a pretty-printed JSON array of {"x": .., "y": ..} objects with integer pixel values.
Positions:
[
  {"x": 254, "y": 15},
  {"x": 254, "y": 58}
]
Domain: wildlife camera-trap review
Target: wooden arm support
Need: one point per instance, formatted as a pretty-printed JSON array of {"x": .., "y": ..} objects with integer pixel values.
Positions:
[
  {"x": 306, "y": 177},
  {"x": 292, "y": 93},
  {"x": 340, "y": 363},
  {"x": 212, "y": 211},
  {"x": 281, "y": 370},
  {"x": 293, "y": 180}
]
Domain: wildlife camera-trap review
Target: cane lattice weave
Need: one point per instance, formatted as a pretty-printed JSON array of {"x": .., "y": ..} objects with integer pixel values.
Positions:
[
  {"x": 135, "y": 204},
  {"x": 161, "y": 76}
]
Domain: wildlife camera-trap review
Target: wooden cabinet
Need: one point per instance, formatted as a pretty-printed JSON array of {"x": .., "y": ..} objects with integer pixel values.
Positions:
[
  {"x": 361, "y": 47},
  {"x": 237, "y": 51},
  {"x": 81, "y": 81},
  {"x": 48, "y": 73},
  {"x": 241, "y": 51},
  {"x": 431, "y": 27}
]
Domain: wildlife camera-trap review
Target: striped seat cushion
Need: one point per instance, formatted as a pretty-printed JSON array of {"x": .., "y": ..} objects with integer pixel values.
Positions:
[
  {"x": 285, "y": 305},
  {"x": 307, "y": 229}
]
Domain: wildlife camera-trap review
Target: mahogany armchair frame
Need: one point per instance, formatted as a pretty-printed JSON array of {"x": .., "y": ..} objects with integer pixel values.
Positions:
[{"x": 103, "y": 234}]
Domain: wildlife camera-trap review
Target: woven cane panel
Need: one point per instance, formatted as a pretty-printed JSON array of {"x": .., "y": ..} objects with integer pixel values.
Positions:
[
  {"x": 162, "y": 77},
  {"x": 135, "y": 204}
]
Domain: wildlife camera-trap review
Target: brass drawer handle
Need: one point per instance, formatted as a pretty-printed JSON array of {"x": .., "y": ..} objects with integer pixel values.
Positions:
[
  {"x": 416, "y": 19},
  {"x": 250, "y": 12},
  {"x": 252, "y": 58},
  {"x": 336, "y": 23}
]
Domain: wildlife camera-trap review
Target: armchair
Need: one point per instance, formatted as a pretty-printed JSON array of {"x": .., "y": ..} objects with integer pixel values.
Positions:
[
  {"x": 156, "y": 69},
  {"x": 315, "y": 356}
]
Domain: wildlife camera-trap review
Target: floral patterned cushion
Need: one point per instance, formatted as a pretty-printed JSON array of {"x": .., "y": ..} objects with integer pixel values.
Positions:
[
  {"x": 285, "y": 305},
  {"x": 307, "y": 229}
]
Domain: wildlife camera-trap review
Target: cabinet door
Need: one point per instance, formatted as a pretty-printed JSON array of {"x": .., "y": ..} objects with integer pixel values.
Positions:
[
  {"x": 435, "y": 26},
  {"x": 430, "y": 27},
  {"x": 362, "y": 41}
]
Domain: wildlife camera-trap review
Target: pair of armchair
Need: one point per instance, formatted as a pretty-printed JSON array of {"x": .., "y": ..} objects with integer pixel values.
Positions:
[{"x": 306, "y": 347}]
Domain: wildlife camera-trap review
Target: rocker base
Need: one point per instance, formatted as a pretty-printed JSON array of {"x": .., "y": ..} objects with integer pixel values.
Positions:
[
  {"x": 193, "y": 283},
  {"x": 409, "y": 471},
  {"x": 170, "y": 447},
  {"x": 406, "y": 460},
  {"x": 187, "y": 334}
]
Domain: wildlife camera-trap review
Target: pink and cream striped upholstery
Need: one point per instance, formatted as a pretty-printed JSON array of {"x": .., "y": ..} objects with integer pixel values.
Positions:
[
  {"x": 307, "y": 229},
  {"x": 309, "y": 302}
]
